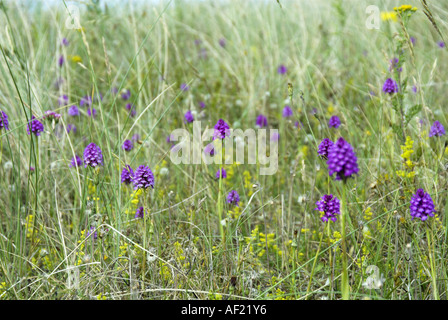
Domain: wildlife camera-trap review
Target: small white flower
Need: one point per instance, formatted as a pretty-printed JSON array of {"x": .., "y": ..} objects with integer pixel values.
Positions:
[
  {"x": 151, "y": 257},
  {"x": 7, "y": 165},
  {"x": 164, "y": 171},
  {"x": 54, "y": 165},
  {"x": 374, "y": 281}
]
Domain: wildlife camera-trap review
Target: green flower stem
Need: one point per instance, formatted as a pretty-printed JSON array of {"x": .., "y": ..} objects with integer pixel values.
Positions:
[
  {"x": 430, "y": 237},
  {"x": 1, "y": 150},
  {"x": 344, "y": 278},
  {"x": 144, "y": 239},
  {"x": 37, "y": 155},
  {"x": 314, "y": 264},
  {"x": 221, "y": 227},
  {"x": 330, "y": 259}
]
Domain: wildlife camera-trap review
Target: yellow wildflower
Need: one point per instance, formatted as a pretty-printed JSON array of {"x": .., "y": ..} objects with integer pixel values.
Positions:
[{"x": 389, "y": 16}]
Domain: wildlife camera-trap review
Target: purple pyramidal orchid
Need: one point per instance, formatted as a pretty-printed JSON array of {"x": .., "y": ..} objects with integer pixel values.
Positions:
[
  {"x": 342, "y": 161},
  {"x": 35, "y": 126},
  {"x": 282, "y": 69},
  {"x": 143, "y": 178},
  {"x": 437, "y": 129},
  {"x": 127, "y": 175},
  {"x": 261, "y": 121},
  {"x": 139, "y": 213},
  {"x": 221, "y": 173},
  {"x": 73, "y": 111},
  {"x": 421, "y": 205},
  {"x": 93, "y": 156},
  {"x": 330, "y": 206},
  {"x": 390, "y": 86},
  {"x": 287, "y": 112},
  {"x": 4, "y": 124},
  {"x": 334, "y": 122},
  {"x": 189, "y": 117},
  {"x": 76, "y": 162},
  {"x": 324, "y": 147},
  {"x": 127, "y": 145},
  {"x": 222, "y": 130},
  {"x": 233, "y": 198}
]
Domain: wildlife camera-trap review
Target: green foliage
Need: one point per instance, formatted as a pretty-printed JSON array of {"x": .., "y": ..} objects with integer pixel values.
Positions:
[{"x": 71, "y": 233}]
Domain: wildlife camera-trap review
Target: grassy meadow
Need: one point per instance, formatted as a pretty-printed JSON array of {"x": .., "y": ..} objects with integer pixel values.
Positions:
[{"x": 139, "y": 70}]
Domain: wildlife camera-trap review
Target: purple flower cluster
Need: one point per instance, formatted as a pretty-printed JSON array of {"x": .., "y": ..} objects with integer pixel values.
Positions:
[
  {"x": 127, "y": 175},
  {"x": 61, "y": 61},
  {"x": 91, "y": 112},
  {"x": 189, "y": 117},
  {"x": 76, "y": 162},
  {"x": 125, "y": 94},
  {"x": 233, "y": 198},
  {"x": 132, "y": 110},
  {"x": 287, "y": 112},
  {"x": 282, "y": 69},
  {"x": 342, "y": 160},
  {"x": 93, "y": 156},
  {"x": 35, "y": 126},
  {"x": 222, "y": 130},
  {"x": 127, "y": 145},
  {"x": 324, "y": 147},
  {"x": 209, "y": 149},
  {"x": 92, "y": 231},
  {"x": 140, "y": 213},
  {"x": 71, "y": 127},
  {"x": 86, "y": 100},
  {"x": 394, "y": 65},
  {"x": 261, "y": 121},
  {"x": 390, "y": 86},
  {"x": 222, "y": 42},
  {"x": 222, "y": 173},
  {"x": 63, "y": 100},
  {"x": 421, "y": 205},
  {"x": 73, "y": 111},
  {"x": 437, "y": 129},
  {"x": 4, "y": 121},
  {"x": 52, "y": 115},
  {"x": 143, "y": 178},
  {"x": 330, "y": 206},
  {"x": 334, "y": 122}
]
